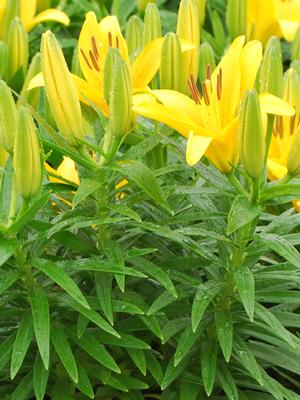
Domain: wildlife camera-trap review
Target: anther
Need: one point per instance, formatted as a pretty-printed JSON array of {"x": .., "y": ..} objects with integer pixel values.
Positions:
[
  {"x": 208, "y": 71},
  {"x": 194, "y": 90},
  {"x": 117, "y": 42},
  {"x": 94, "y": 61},
  {"x": 95, "y": 49},
  {"x": 85, "y": 59},
  {"x": 110, "y": 39},
  {"x": 205, "y": 93}
]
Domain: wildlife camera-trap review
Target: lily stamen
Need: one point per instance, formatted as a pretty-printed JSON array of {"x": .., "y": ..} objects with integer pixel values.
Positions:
[
  {"x": 194, "y": 90},
  {"x": 110, "y": 39},
  {"x": 205, "y": 93},
  {"x": 208, "y": 71},
  {"x": 94, "y": 61},
  {"x": 85, "y": 59},
  {"x": 94, "y": 45}
]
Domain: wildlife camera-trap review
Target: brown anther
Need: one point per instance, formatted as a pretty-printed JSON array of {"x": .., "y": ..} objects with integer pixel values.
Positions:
[
  {"x": 94, "y": 61},
  {"x": 208, "y": 71},
  {"x": 117, "y": 42},
  {"x": 292, "y": 124},
  {"x": 219, "y": 84},
  {"x": 194, "y": 90},
  {"x": 110, "y": 39},
  {"x": 85, "y": 59},
  {"x": 205, "y": 93},
  {"x": 278, "y": 131},
  {"x": 95, "y": 49}
]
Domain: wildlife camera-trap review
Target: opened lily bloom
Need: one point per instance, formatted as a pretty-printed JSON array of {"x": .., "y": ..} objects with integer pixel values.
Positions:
[
  {"x": 27, "y": 14},
  {"x": 265, "y": 18},
  {"x": 210, "y": 121},
  {"x": 94, "y": 41}
]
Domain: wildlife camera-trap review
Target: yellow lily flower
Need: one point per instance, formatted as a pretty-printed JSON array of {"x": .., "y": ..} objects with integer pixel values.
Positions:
[
  {"x": 272, "y": 17},
  {"x": 94, "y": 41},
  {"x": 210, "y": 121},
  {"x": 28, "y": 15}
]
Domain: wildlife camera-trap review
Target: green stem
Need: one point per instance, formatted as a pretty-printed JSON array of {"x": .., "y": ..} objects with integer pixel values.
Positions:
[
  {"x": 255, "y": 190},
  {"x": 270, "y": 124},
  {"x": 102, "y": 212},
  {"x": 13, "y": 203},
  {"x": 236, "y": 184}
]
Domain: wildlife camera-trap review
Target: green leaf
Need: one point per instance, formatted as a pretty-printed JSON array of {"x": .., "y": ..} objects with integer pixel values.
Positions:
[
  {"x": 7, "y": 249},
  {"x": 224, "y": 328},
  {"x": 189, "y": 391},
  {"x": 143, "y": 177},
  {"x": 246, "y": 358},
  {"x": 154, "y": 367},
  {"x": 103, "y": 284},
  {"x": 61, "y": 389},
  {"x": 132, "y": 383},
  {"x": 40, "y": 378},
  {"x": 127, "y": 341},
  {"x": 124, "y": 210},
  {"x": 245, "y": 284},
  {"x": 94, "y": 317},
  {"x": 282, "y": 247},
  {"x": 84, "y": 384},
  {"x": 41, "y": 321},
  {"x": 139, "y": 359},
  {"x": 277, "y": 328},
  {"x": 64, "y": 351},
  {"x": 29, "y": 213},
  {"x": 22, "y": 343},
  {"x": 205, "y": 294},
  {"x": 227, "y": 382},
  {"x": 141, "y": 149},
  {"x": 114, "y": 253},
  {"x": 8, "y": 278},
  {"x": 172, "y": 372},
  {"x": 85, "y": 189},
  {"x": 208, "y": 356},
  {"x": 185, "y": 343},
  {"x": 60, "y": 277},
  {"x": 6, "y": 350},
  {"x": 156, "y": 272},
  {"x": 289, "y": 190},
  {"x": 24, "y": 388},
  {"x": 241, "y": 213},
  {"x": 97, "y": 351},
  {"x": 160, "y": 302}
]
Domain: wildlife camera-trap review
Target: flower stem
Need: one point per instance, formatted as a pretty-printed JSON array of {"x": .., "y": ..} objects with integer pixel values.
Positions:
[
  {"x": 270, "y": 124},
  {"x": 236, "y": 184}
]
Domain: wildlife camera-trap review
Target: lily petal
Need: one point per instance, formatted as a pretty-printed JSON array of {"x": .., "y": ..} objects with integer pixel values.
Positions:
[
  {"x": 196, "y": 147},
  {"x": 251, "y": 53},
  {"x": 90, "y": 95},
  {"x": 276, "y": 170},
  {"x": 111, "y": 36},
  {"x": 27, "y": 13},
  {"x": 36, "y": 81},
  {"x": 49, "y": 15},
  {"x": 288, "y": 29},
  {"x": 274, "y": 105}
]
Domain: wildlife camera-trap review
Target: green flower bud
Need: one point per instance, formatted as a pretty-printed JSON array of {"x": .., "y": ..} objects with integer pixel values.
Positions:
[
  {"x": 296, "y": 66},
  {"x": 8, "y": 118},
  {"x": 236, "y": 17},
  {"x": 271, "y": 72},
  {"x": 293, "y": 164},
  {"x": 207, "y": 61},
  {"x": 27, "y": 156},
  {"x": 120, "y": 100},
  {"x": 171, "y": 64},
  {"x": 134, "y": 35},
  {"x": 3, "y": 157},
  {"x": 188, "y": 29},
  {"x": 291, "y": 88},
  {"x": 201, "y": 10},
  {"x": 11, "y": 10},
  {"x": 296, "y": 46},
  {"x": 142, "y": 4},
  {"x": 3, "y": 60},
  {"x": 31, "y": 96},
  {"x": 17, "y": 54},
  {"x": 152, "y": 23},
  {"x": 75, "y": 66},
  {"x": 251, "y": 135},
  {"x": 112, "y": 56},
  {"x": 61, "y": 91}
]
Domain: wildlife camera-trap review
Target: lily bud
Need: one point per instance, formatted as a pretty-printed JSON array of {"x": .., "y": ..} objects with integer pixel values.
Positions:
[
  {"x": 31, "y": 96},
  {"x": 61, "y": 91},
  {"x": 3, "y": 60},
  {"x": 134, "y": 34},
  {"x": 293, "y": 163},
  {"x": 120, "y": 101},
  {"x": 152, "y": 23},
  {"x": 251, "y": 135},
  {"x": 3, "y": 157},
  {"x": 27, "y": 156},
  {"x": 17, "y": 54},
  {"x": 112, "y": 56},
  {"x": 236, "y": 17},
  {"x": 75, "y": 67},
  {"x": 171, "y": 63},
  {"x": 206, "y": 60},
  {"x": 11, "y": 10},
  {"x": 296, "y": 46},
  {"x": 188, "y": 29},
  {"x": 291, "y": 88},
  {"x": 8, "y": 118},
  {"x": 271, "y": 72},
  {"x": 201, "y": 10},
  {"x": 142, "y": 4}
]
